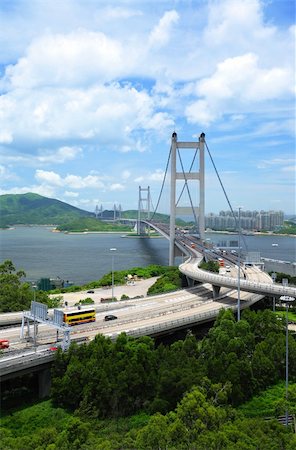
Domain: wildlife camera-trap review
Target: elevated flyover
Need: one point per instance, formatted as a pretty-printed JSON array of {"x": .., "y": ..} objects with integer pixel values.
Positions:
[{"x": 262, "y": 284}]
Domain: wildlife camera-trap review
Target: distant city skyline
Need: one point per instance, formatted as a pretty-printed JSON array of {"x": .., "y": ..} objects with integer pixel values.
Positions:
[{"x": 92, "y": 90}]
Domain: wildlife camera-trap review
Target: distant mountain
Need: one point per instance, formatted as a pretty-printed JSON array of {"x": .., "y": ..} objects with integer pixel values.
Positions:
[
  {"x": 29, "y": 209},
  {"x": 35, "y": 209}
]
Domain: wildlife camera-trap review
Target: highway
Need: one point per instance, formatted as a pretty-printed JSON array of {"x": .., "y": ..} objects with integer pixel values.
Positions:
[
  {"x": 150, "y": 315},
  {"x": 155, "y": 315}
]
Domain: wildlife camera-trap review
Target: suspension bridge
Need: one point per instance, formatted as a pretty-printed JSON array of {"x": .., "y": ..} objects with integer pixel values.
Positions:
[
  {"x": 207, "y": 294},
  {"x": 248, "y": 279}
]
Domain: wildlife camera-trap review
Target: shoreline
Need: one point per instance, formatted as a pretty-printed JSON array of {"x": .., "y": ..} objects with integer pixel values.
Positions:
[{"x": 132, "y": 233}]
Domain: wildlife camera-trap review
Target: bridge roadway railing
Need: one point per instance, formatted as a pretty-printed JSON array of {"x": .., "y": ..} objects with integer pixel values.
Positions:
[
  {"x": 190, "y": 320},
  {"x": 24, "y": 362},
  {"x": 190, "y": 268}
]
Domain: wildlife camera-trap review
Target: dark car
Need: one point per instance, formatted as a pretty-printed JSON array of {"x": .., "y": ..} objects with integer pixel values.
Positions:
[
  {"x": 90, "y": 292},
  {"x": 110, "y": 317}
]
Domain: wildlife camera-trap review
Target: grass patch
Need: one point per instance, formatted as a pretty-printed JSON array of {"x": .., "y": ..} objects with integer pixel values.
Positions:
[
  {"x": 32, "y": 418},
  {"x": 264, "y": 405},
  {"x": 291, "y": 315}
]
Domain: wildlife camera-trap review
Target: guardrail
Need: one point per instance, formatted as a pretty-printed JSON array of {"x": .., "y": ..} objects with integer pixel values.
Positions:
[{"x": 185, "y": 321}]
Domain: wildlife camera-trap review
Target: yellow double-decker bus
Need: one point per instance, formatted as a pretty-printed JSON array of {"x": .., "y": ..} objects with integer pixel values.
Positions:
[{"x": 78, "y": 316}]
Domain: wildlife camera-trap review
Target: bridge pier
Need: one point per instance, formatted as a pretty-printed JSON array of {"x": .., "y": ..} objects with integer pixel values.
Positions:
[
  {"x": 44, "y": 383},
  {"x": 216, "y": 291}
]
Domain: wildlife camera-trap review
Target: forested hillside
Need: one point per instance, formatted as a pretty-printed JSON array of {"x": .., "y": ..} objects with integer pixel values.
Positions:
[{"x": 35, "y": 209}]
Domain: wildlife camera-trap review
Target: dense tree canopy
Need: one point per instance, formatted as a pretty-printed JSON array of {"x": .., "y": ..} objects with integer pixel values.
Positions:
[
  {"x": 191, "y": 388},
  {"x": 15, "y": 294},
  {"x": 121, "y": 378}
]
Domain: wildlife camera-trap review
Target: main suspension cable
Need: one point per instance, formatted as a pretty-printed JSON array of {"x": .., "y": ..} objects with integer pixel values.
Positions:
[
  {"x": 226, "y": 196},
  {"x": 163, "y": 181}
]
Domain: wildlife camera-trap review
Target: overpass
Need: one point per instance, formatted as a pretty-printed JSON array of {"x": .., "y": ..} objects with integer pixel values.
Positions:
[{"x": 263, "y": 284}]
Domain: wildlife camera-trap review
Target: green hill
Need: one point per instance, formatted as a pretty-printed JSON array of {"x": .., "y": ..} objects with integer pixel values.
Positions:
[
  {"x": 35, "y": 209},
  {"x": 28, "y": 209}
]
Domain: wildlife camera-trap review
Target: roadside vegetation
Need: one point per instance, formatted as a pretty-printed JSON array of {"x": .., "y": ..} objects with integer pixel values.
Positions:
[
  {"x": 16, "y": 294},
  {"x": 121, "y": 276},
  {"x": 211, "y": 266},
  {"x": 280, "y": 275},
  {"x": 131, "y": 394}
]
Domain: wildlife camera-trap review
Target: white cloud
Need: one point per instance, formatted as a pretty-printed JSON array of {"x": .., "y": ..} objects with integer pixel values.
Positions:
[
  {"x": 71, "y": 181},
  {"x": 125, "y": 175},
  {"x": 158, "y": 175},
  {"x": 119, "y": 13},
  {"x": 78, "y": 58},
  {"x": 6, "y": 174},
  {"x": 48, "y": 177},
  {"x": 289, "y": 169},
  {"x": 117, "y": 187},
  {"x": 62, "y": 155},
  {"x": 84, "y": 114},
  {"x": 237, "y": 83},
  {"x": 5, "y": 137},
  {"x": 45, "y": 190},
  {"x": 71, "y": 194},
  {"x": 77, "y": 182},
  {"x": 160, "y": 35}
]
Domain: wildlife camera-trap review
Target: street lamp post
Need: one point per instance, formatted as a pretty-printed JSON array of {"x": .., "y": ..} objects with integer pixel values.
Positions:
[
  {"x": 238, "y": 261},
  {"x": 112, "y": 250},
  {"x": 287, "y": 300},
  {"x": 34, "y": 291},
  {"x": 273, "y": 276}
]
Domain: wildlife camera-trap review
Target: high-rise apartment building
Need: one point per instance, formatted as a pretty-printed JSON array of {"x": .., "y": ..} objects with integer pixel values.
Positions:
[{"x": 249, "y": 220}]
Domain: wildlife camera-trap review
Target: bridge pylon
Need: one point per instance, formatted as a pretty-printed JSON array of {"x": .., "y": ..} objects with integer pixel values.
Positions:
[
  {"x": 143, "y": 207},
  {"x": 197, "y": 175}
]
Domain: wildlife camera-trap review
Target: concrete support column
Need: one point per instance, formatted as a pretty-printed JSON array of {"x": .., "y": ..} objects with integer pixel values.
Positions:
[
  {"x": 216, "y": 291},
  {"x": 44, "y": 383}
]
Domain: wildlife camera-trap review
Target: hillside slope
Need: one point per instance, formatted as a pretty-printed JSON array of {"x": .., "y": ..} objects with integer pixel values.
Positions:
[{"x": 35, "y": 209}]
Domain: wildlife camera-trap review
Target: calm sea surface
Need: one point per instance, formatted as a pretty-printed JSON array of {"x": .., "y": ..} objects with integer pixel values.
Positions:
[{"x": 86, "y": 257}]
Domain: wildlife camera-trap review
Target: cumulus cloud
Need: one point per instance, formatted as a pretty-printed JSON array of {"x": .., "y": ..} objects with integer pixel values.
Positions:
[
  {"x": 117, "y": 187},
  {"x": 6, "y": 174},
  {"x": 238, "y": 80},
  {"x": 62, "y": 155},
  {"x": 48, "y": 177},
  {"x": 157, "y": 175},
  {"x": 160, "y": 35},
  {"x": 79, "y": 58},
  {"x": 71, "y": 181},
  {"x": 71, "y": 194},
  {"x": 85, "y": 114}
]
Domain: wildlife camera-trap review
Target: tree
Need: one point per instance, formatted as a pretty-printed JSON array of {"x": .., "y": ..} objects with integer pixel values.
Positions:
[{"x": 16, "y": 294}]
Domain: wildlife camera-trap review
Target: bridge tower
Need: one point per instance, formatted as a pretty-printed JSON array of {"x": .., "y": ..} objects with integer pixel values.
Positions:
[
  {"x": 143, "y": 207},
  {"x": 199, "y": 176}
]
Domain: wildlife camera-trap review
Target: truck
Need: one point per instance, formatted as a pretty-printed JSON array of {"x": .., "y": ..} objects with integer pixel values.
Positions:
[{"x": 4, "y": 343}]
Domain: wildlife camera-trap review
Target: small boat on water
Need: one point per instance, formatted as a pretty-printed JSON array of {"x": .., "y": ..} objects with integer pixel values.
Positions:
[{"x": 275, "y": 245}]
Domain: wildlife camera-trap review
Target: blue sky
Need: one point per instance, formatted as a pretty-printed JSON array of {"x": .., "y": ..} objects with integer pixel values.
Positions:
[{"x": 91, "y": 91}]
